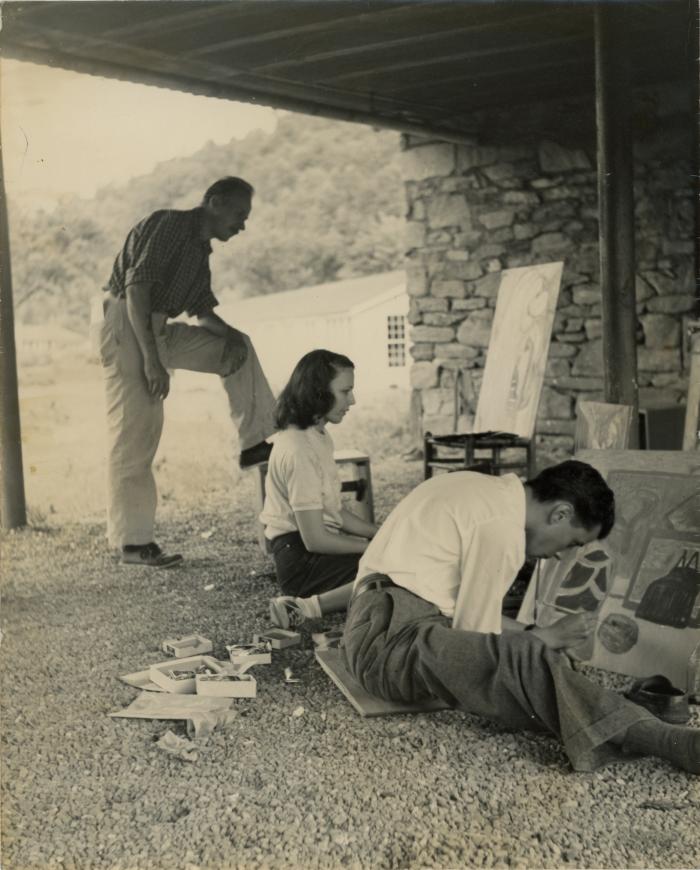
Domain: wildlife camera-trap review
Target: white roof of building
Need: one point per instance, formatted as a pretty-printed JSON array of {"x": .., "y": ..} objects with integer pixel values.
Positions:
[{"x": 322, "y": 300}]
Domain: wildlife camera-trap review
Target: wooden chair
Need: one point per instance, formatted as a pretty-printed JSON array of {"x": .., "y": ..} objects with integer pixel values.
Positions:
[{"x": 506, "y": 410}]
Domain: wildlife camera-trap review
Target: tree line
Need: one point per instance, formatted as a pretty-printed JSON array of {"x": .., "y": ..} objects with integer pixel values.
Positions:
[{"x": 329, "y": 204}]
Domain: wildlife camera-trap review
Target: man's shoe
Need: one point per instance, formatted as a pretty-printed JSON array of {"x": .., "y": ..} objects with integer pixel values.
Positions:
[
  {"x": 255, "y": 455},
  {"x": 149, "y": 555},
  {"x": 660, "y": 697},
  {"x": 285, "y": 612}
]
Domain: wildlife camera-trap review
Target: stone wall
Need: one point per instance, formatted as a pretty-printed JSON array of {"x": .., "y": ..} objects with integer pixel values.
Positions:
[{"x": 524, "y": 191}]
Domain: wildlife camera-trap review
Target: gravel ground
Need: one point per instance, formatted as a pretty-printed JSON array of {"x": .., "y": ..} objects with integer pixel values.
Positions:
[{"x": 324, "y": 789}]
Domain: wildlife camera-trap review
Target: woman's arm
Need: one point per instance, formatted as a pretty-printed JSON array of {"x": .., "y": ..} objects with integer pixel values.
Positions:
[
  {"x": 353, "y": 525},
  {"x": 317, "y": 538}
]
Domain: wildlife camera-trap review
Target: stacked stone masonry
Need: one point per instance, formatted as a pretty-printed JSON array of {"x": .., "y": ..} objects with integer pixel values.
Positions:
[{"x": 525, "y": 192}]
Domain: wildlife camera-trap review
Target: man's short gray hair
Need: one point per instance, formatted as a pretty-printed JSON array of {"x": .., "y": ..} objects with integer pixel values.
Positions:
[{"x": 229, "y": 186}]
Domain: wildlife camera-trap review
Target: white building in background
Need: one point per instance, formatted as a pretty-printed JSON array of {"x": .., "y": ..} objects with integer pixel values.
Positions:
[
  {"x": 364, "y": 318},
  {"x": 43, "y": 343}
]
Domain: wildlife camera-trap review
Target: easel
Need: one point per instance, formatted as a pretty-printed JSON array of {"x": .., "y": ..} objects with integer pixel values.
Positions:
[{"x": 506, "y": 410}]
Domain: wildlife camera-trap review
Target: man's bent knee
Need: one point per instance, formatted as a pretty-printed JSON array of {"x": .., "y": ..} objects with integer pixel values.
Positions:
[{"x": 235, "y": 353}]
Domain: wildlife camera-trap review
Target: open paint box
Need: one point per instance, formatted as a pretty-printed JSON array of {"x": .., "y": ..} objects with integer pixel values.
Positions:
[
  {"x": 226, "y": 685},
  {"x": 245, "y": 655},
  {"x": 278, "y": 638},
  {"x": 192, "y": 645},
  {"x": 179, "y": 675}
]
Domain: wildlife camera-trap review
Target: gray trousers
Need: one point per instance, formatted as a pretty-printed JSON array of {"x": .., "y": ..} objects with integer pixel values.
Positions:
[
  {"x": 135, "y": 418},
  {"x": 399, "y": 647}
]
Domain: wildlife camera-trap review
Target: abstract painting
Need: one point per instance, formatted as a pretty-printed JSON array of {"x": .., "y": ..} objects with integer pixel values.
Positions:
[{"x": 643, "y": 581}]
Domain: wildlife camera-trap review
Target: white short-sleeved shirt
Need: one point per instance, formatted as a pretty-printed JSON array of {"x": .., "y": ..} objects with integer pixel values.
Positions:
[
  {"x": 457, "y": 540},
  {"x": 301, "y": 475}
]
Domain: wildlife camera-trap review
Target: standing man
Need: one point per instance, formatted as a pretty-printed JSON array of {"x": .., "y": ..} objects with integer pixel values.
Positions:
[
  {"x": 425, "y": 618},
  {"x": 161, "y": 272}
]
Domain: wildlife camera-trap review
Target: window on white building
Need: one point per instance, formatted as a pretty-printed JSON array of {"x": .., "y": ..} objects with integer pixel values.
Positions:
[{"x": 396, "y": 340}]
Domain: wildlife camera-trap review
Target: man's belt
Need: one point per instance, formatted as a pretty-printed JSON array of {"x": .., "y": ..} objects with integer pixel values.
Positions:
[{"x": 372, "y": 581}]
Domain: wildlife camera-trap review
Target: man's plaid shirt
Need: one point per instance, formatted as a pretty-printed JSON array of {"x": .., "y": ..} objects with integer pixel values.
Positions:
[{"x": 166, "y": 251}]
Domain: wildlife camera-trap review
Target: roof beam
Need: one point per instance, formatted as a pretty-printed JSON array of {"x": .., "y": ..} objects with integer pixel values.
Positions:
[
  {"x": 486, "y": 78},
  {"x": 81, "y": 53},
  {"x": 277, "y": 99},
  {"x": 304, "y": 29},
  {"x": 169, "y": 21},
  {"x": 409, "y": 41},
  {"x": 450, "y": 58}
]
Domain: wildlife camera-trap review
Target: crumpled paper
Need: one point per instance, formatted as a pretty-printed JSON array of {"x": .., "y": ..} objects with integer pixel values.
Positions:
[
  {"x": 201, "y": 713},
  {"x": 178, "y": 746},
  {"x": 201, "y": 725},
  {"x": 166, "y": 705}
]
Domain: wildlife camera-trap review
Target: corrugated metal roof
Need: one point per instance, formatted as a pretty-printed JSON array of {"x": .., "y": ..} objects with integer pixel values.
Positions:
[
  {"x": 322, "y": 300},
  {"x": 423, "y": 64}
]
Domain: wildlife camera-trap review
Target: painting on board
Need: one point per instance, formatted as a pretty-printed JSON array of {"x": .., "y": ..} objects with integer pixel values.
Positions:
[
  {"x": 602, "y": 426},
  {"x": 518, "y": 348},
  {"x": 643, "y": 580}
]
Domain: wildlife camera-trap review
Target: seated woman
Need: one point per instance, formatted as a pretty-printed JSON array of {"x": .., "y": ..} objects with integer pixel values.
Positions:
[{"x": 315, "y": 542}]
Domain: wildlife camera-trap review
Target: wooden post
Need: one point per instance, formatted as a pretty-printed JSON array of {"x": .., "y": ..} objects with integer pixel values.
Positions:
[
  {"x": 691, "y": 431},
  {"x": 14, "y": 511},
  {"x": 695, "y": 78},
  {"x": 616, "y": 207}
]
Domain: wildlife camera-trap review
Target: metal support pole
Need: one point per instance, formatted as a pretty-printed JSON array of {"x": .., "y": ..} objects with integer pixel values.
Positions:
[
  {"x": 14, "y": 511},
  {"x": 695, "y": 78},
  {"x": 616, "y": 207}
]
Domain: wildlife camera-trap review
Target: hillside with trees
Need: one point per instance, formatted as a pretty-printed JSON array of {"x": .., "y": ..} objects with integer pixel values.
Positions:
[{"x": 329, "y": 204}]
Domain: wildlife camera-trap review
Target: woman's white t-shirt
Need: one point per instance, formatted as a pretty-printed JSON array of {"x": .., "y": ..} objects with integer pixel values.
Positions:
[{"x": 301, "y": 475}]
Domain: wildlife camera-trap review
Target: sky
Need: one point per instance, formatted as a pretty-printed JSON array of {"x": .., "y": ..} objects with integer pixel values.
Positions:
[{"x": 66, "y": 132}]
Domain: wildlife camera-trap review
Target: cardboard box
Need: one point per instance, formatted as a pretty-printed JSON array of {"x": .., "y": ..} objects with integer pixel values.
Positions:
[
  {"x": 192, "y": 645},
  {"x": 178, "y": 675},
  {"x": 227, "y": 685},
  {"x": 245, "y": 655},
  {"x": 278, "y": 638}
]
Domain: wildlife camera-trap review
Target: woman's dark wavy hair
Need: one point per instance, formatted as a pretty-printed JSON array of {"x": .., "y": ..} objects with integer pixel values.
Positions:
[
  {"x": 582, "y": 486},
  {"x": 308, "y": 396}
]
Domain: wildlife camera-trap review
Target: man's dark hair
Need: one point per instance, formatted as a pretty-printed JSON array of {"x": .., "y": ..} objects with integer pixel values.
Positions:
[
  {"x": 308, "y": 397},
  {"x": 229, "y": 186},
  {"x": 580, "y": 484}
]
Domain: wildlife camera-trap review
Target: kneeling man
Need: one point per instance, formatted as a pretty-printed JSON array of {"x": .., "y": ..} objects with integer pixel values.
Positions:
[{"x": 425, "y": 616}]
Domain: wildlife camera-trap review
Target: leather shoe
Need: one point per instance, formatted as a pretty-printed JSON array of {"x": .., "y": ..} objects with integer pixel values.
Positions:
[
  {"x": 150, "y": 556},
  {"x": 660, "y": 697},
  {"x": 255, "y": 455}
]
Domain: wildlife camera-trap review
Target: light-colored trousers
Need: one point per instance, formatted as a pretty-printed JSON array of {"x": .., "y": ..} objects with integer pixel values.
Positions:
[{"x": 135, "y": 418}]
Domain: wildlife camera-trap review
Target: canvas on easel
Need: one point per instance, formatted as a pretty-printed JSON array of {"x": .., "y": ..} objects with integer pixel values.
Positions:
[
  {"x": 506, "y": 411},
  {"x": 518, "y": 348},
  {"x": 643, "y": 581}
]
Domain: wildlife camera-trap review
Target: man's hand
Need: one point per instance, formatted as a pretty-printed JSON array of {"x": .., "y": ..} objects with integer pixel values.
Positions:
[
  {"x": 157, "y": 378},
  {"x": 570, "y": 631}
]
